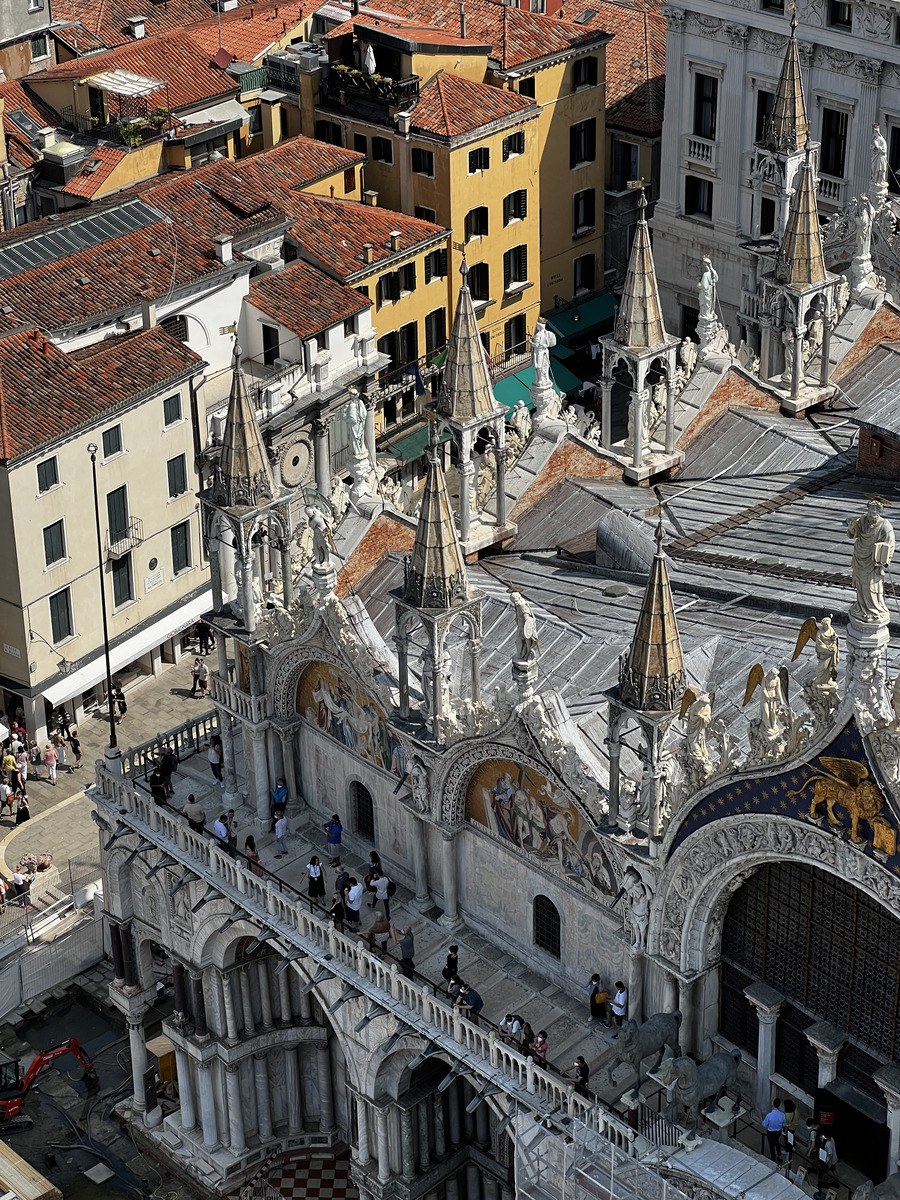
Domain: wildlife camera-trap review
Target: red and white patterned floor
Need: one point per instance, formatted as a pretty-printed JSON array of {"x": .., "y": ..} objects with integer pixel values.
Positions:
[{"x": 309, "y": 1179}]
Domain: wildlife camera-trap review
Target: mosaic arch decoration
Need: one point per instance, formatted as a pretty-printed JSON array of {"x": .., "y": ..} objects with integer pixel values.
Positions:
[
  {"x": 332, "y": 701},
  {"x": 520, "y": 806}
]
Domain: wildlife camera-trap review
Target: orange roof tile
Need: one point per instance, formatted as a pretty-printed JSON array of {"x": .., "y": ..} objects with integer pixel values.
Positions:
[
  {"x": 305, "y": 300},
  {"x": 449, "y": 105},
  {"x": 635, "y": 61},
  {"x": 95, "y": 172},
  {"x": 109, "y": 18},
  {"x": 17, "y": 98},
  {"x": 44, "y": 391},
  {"x": 248, "y": 33}
]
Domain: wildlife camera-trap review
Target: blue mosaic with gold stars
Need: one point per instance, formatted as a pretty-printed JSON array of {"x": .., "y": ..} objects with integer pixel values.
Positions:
[{"x": 837, "y": 787}]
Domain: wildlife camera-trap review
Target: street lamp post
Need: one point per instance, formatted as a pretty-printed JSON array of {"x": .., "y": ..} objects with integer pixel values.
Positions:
[{"x": 113, "y": 743}]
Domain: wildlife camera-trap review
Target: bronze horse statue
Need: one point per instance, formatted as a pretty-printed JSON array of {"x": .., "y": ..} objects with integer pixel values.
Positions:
[
  {"x": 889, "y": 1190},
  {"x": 637, "y": 1042},
  {"x": 710, "y": 1080}
]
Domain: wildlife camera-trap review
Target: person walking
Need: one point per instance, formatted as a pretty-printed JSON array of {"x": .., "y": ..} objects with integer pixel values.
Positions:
[
  {"x": 75, "y": 745},
  {"x": 469, "y": 1002},
  {"x": 63, "y": 720},
  {"x": 232, "y": 826},
  {"x": 22, "y": 763},
  {"x": 581, "y": 1073},
  {"x": 773, "y": 1124},
  {"x": 316, "y": 873},
  {"x": 220, "y": 832},
  {"x": 214, "y": 755},
  {"x": 405, "y": 943},
  {"x": 121, "y": 705},
  {"x": 22, "y": 883},
  {"x": 333, "y": 830},
  {"x": 7, "y": 798},
  {"x": 354, "y": 895},
  {"x": 59, "y": 745},
  {"x": 450, "y": 968},
  {"x": 598, "y": 998},
  {"x": 252, "y": 855},
  {"x": 619, "y": 1005},
  {"x": 50, "y": 762},
  {"x": 37, "y": 759},
  {"x": 203, "y": 632},
  {"x": 280, "y": 833},
  {"x": 195, "y": 676},
  {"x": 382, "y": 889},
  {"x": 23, "y": 812}
]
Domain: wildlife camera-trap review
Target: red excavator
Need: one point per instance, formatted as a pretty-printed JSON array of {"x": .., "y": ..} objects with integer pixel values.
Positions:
[{"x": 14, "y": 1085}]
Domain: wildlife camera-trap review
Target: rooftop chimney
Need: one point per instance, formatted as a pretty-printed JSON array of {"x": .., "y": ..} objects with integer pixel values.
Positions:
[
  {"x": 368, "y": 252},
  {"x": 462, "y": 19},
  {"x": 223, "y": 248},
  {"x": 370, "y": 197},
  {"x": 47, "y": 137},
  {"x": 148, "y": 310},
  {"x": 137, "y": 26},
  {"x": 395, "y": 239},
  {"x": 404, "y": 120}
]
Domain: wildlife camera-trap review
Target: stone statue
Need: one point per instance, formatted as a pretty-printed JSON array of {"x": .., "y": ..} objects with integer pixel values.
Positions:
[
  {"x": 418, "y": 782},
  {"x": 355, "y": 416},
  {"x": 642, "y": 401},
  {"x": 541, "y": 342},
  {"x": 771, "y": 701},
  {"x": 635, "y": 1043},
  {"x": 340, "y": 499},
  {"x": 520, "y": 420},
  {"x": 638, "y": 906},
  {"x": 687, "y": 354},
  {"x": 879, "y": 172},
  {"x": 863, "y": 214},
  {"x": 699, "y": 716},
  {"x": 895, "y": 702},
  {"x": 321, "y": 537},
  {"x": 707, "y": 289},
  {"x": 787, "y": 340},
  {"x": 827, "y": 653},
  {"x": 526, "y": 628},
  {"x": 872, "y": 553}
]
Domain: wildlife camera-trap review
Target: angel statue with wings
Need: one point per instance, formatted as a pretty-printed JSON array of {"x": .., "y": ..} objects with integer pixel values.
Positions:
[
  {"x": 698, "y": 708},
  {"x": 772, "y": 699},
  {"x": 827, "y": 649}
]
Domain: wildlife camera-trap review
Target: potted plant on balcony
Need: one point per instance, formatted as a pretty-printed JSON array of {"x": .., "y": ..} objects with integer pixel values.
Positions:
[
  {"x": 133, "y": 133},
  {"x": 158, "y": 117}
]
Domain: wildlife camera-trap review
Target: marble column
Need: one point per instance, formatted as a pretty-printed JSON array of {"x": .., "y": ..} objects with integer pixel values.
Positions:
[
  {"x": 285, "y": 1016},
  {"x": 290, "y": 768},
  {"x": 449, "y": 880},
  {"x": 326, "y": 1097},
  {"x": 453, "y": 1126},
  {"x": 670, "y": 187},
  {"x": 606, "y": 387},
  {"x": 236, "y": 1137},
  {"x": 207, "y": 1106},
  {"x": 115, "y": 945},
  {"x": 424, "y": 1149},
  {"x": 767, "y": 1003},
  {"x": 468, "y": 1118},
  {"x": 466, "y": 472},
  {"x": 129, "y": 967},
  {"x": 451, "y": 1188},
  {"x": 797, "y": 370},
  {"x": 635, "y": 984},
  {"x": 263, "y": 1106},
  {"x": 401, "y": 641},
  {"x": 322, "y": 457},
  {"x": 869, "y": 72},
  {"x": 440, "y": 1144},
  {"x": 825, "y": 364},
  {"x": 265, "y": 996},
  {"x": 670, "y": 411},
  {"x": 730, "y": 168},
  {"x": 258, "y": 773},
  {"x": 198, "y": 1004},
  {"x": 138, "y": 1052},
  {"x": 178, "y": 986},
  {"x": 362, "y": 1131},
  {"x": 286, "y": 569},
  {"x": 490, "y": 1187},
  {"x": 383, "y": 1145},
  {"x": 407, "y": 1154},
  {"x": 305, "y": 1009},
  {"x": 370, "y": 402},
  {"x": 247, "y": 1002},
  {"x": 670, "y": 992},
  {"x": 500, "y": 454},
  {"x": 292, "y": 1086},
  {"x": 614, "y": 748},
  {"x": 482, "y": 1125},
  {"x": 828, "y": 1041},
  {"x": 231, "y": 1027},
  {"x": 473, "y": 1181},
  {"x": 185, "y": 1090},
  {"x": 420, "y": 860},
  {"x": 640, "y": 398},
  {"x": 888, "y": 1079}
]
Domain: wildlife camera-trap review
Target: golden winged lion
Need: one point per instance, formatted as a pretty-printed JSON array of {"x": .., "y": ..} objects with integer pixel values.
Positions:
[{"x": 846, "y": 783}]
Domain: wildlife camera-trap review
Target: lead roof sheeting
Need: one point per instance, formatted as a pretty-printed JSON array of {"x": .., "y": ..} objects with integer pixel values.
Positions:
[{"x": 94, "y": 229}]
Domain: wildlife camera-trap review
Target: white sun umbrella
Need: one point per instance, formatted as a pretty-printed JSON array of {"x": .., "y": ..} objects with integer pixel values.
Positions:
[{"x": 369, "y": 61}]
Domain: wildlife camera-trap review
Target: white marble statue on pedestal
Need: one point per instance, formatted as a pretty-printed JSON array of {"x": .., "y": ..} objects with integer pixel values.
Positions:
[
  {"x": 321, "y": 537},
  {"x": 709, "y": 327},
  {"x": 873, "y": 549},
  {"x": 878, "y": 186},
  {"x": 543, "y": 394},
  {"x": 862, "y": 214},
  {"x": 527, "y": 647},
  {"x": 360, "y": 465}
]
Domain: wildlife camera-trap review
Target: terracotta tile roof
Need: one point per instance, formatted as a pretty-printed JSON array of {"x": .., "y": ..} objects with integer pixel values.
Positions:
[
  {"x": 304, "y": 300},
  {"x": 635, "y": 62},
  {"x": 90, "y": 179},
  {"x": 187, "y": 69},
  {"x": 409, "y": 30},
  {"x": 17, "y": 98},
  {"x": 449, "y": 105},
  {"x": 109, "y": 18},
  {"x": 249, "y": 33},
  {"x": 81, "y": 40},
  {"x": 44, "y": 391},
  {"x": 334, "y": 231},
  {"x": 292, "y": 164}
]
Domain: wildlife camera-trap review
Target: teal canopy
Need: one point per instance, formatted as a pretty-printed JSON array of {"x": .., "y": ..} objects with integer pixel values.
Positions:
[{"x": 584, "y": 318}]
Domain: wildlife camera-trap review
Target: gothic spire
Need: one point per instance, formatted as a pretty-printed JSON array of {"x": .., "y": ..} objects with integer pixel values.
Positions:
[
  {"x": 651, "y": 675},
  {"x": 466, "y": 393},
  {"x": 243, "y": 477},
  {"x": 788, "y": 127},
  {"x": 800, "y": 262},
  {"x": 639, "y": 324},
  {"x": 435, "y": 571}
]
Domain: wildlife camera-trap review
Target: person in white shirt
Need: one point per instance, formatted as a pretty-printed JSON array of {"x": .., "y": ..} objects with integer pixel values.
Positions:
[
  {"x": 354, "y": 895},
  {"x": 280, "y": 833},
  {"x": 380, "y": 884},
  {"x": 619, "y": 1005},
  {"x": 220, "y": 830}
]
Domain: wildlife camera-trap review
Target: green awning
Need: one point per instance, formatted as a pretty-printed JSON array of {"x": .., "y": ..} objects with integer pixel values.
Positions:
[
  {"x": 411, "y": 446},
  {"x": 584, "y": 318},
  {"x": 513, "y": 388}
]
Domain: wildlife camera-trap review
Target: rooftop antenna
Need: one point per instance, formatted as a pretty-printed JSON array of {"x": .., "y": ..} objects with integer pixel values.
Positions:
[{"x": 462, "y": 18}]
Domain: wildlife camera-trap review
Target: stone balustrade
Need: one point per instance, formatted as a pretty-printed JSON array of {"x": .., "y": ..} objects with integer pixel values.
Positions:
[{"x": 238, "y": 702}]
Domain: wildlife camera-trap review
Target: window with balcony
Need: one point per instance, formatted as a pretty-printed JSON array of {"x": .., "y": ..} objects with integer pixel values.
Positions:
[
  {"x": 526, "y": 87},
  {"x": 409, "y": 343},
  {"x": 172, "y": 409},
  {"x": 479, "y": 159},
  {"x": 112, "y": 441},
  {"x": 582, "y": 142},
  {"x": 515, "y": 268},
  {"x": 435, "y": 330},
  {"x": 476, "y": 223},
  {"x": 54, "y": 543},
  {"x": 61, "y": 623},
  {"x": 48, "y": 474},
  {"x": 383, "y": 150},
  {"x": 583, "y": 269},
  {"x": 271, "y": 344},
  {"x": 513, "y": 145},
  {"x": 425, "y": 214},
  {"x": 840, "y": 14},
  {"x": 175, "y": 327},
  {"x": 765, "y": 102},
  {"x": 584, "y": 72},
  {"x": 698, "y": 197},
  {"x": 176, "y": 470},
  {"x": 328, "y": 131},
  {"x": 894, "y": 161},
  {"x": 181, "y": 547},
  {"x": 625, "y": 164},
  {"x": 706, "y": 100},
  {"x": 122, "y": 580},
  {"x": 435, "y": 265},
  {"x": 583, "y": 211},
  {"x": 480, "y": 281},
  {"x": 423, "y": 162},
  {"x": 117, "y": 513},
  {"x": 390, "y": 345},
  {"x": 833, "y": 153},
  {"x": 515, "y": 206}
]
